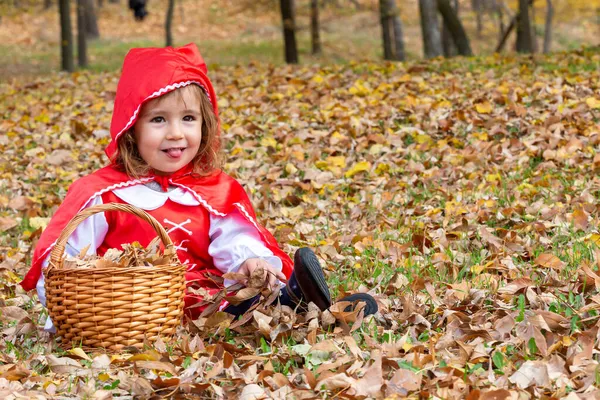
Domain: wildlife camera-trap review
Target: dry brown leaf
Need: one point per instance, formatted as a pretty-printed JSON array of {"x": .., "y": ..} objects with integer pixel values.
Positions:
[{"x": 549, "y": 260}]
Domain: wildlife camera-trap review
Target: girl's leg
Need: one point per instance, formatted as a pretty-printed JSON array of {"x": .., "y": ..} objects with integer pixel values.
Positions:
[
  {"x": 307, "y": 284},
  {"x": 241, "y": 308}
]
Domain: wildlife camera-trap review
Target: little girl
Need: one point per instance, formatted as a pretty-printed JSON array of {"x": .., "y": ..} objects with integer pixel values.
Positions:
[{"x": 164, "y": 159}]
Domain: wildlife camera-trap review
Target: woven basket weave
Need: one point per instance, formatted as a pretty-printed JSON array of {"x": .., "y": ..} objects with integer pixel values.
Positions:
[{"x": 117, "y": 306}]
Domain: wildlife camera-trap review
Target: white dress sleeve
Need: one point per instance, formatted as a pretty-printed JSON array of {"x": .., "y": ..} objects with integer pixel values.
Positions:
[
  {"x": 92, "y": 232},
  {"x": 233, "y": 240}
]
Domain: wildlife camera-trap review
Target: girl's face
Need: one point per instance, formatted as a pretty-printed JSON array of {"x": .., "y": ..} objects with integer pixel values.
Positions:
[{"x": 169, "y": 131}]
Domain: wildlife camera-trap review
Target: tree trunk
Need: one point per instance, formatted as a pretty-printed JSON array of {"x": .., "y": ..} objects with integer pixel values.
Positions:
[
  {"x": 447, "y": 40},
  {"x": 524, "y": 39},
  {"x": 391, "y": 31},
  {"x": 114, "y": 1},
  {"x": 314, "y": 26},
  {"x": 100, "y": 3},
  {"x": 398, "y": 35},
  {"x": 66, "y": 36},
  {"x": 91, "y": 22},
  {"x": 500, "y": 14},
  {"x": 451, "y": 20},
  {"x": 81, "y": 35},
  {"x": 534, "y": 41},
  {"x": 47, "y": 4},
  {"x": 289, "y": 31},
  {"x": 548, "y": 26},
  {"x": 504, "y": 36},
  {"x": 169, "y": 22},
  {"x": 386, "y": 30},
  {"x": 478, "y": 9},
  {"x": 432, "y": 40}
]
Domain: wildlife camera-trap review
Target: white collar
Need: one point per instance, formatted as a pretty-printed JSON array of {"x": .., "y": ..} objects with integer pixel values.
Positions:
[{"x": 147, "y": 199}]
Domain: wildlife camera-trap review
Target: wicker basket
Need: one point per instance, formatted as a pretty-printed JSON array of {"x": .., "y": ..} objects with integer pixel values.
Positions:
[{"x": 113, "y": 307}]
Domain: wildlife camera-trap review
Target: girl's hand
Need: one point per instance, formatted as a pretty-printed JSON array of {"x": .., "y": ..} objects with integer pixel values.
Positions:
[{"x": 270, "y": 275}]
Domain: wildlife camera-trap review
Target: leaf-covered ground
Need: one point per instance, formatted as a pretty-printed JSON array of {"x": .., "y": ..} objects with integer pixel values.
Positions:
[{"x": 462, "y": 194}]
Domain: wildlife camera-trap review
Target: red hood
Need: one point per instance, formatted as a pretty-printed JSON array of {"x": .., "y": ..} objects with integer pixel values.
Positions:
[{"x": 149, "y": 73}]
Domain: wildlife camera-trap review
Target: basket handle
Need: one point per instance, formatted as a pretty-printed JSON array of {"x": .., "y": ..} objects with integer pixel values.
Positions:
[{"x": 57, "y": 252}]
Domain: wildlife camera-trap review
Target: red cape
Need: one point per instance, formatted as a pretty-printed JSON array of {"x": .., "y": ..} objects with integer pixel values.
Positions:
[{"x": 218, "y": 193}]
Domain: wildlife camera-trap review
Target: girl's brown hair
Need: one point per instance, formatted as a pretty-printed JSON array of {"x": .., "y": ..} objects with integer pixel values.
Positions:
[{"x": 207, "y": 159}]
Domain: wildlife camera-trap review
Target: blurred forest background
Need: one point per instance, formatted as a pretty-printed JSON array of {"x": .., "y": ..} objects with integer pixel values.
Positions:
[{"x": 239, "y": 31}]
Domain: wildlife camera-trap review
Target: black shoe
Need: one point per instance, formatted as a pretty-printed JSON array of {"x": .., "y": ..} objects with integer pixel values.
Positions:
[
  {"x": 310, "y": 278},
  {"x": 371, "y": 306}
]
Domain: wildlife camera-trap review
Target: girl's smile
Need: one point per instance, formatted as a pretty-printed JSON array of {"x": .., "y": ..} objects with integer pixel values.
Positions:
[{"x": 175, "y": 152}]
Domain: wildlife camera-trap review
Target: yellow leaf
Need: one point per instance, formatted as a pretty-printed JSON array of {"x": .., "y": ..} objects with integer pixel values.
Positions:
[
  {"x": 423, "y": 139},
  {"x": 39, "y": 222},
  {"x": 593, "y": 102},
  {"x": 360, "y": 88},
  {"x": 290, "y": 168},
  {"x": 79, "y": 353},
  {"x": 483, "y": 136},
  {"x": 13, "y": 278},
  {"x": 42, "y": 117},
  {"x": 318, "y": 78},
  {"x": 493, "y": 177},
  {"x": 298, "y": 155},
  {"x": 292, "y": 212},
  {"x": 580, "y": 219},
  {"x": 268, "y": 142},
  {"x": 567, "y": 341},
  {"x": 375, "y": 149},
  {"x": 476, "y": 269},
  {"x": 149, "y": 355},
  {"x": 484, "y": 108},
  {"x": 276, "y": 96},
  {"x": 382, "y": 169},
  {"x": 358, "y": 167},
  {"x": 321, "y": 164},
  {"x": 103, "y": 377},
  {"x": 223, "y": 102},
  {"x": 595, "y": 238},
  {"x": 337, "y": 161}
]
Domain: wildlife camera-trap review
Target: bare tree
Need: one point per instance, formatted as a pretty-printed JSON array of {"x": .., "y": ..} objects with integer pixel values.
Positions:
[
  {"x": 314, "y": 27},
  {"x": 66, "y": 36},
  {"x": 477, "y": 6},
  {"x": 447, "y": 40},
  {"x": 455, "y": 27},
  {"x": 524, "y": 31},
  {"x": 81, "y": 35},
  {"x": 548, "y": 26},
  {"x": 514, "y": 21},
  {"x": 432, "y": 40},
  {"x": 391, "y": 30},
  {"x": 91, "y": 22},
  {"x": 169, "y": 23},
  {"x": 289, "y": 31}
]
